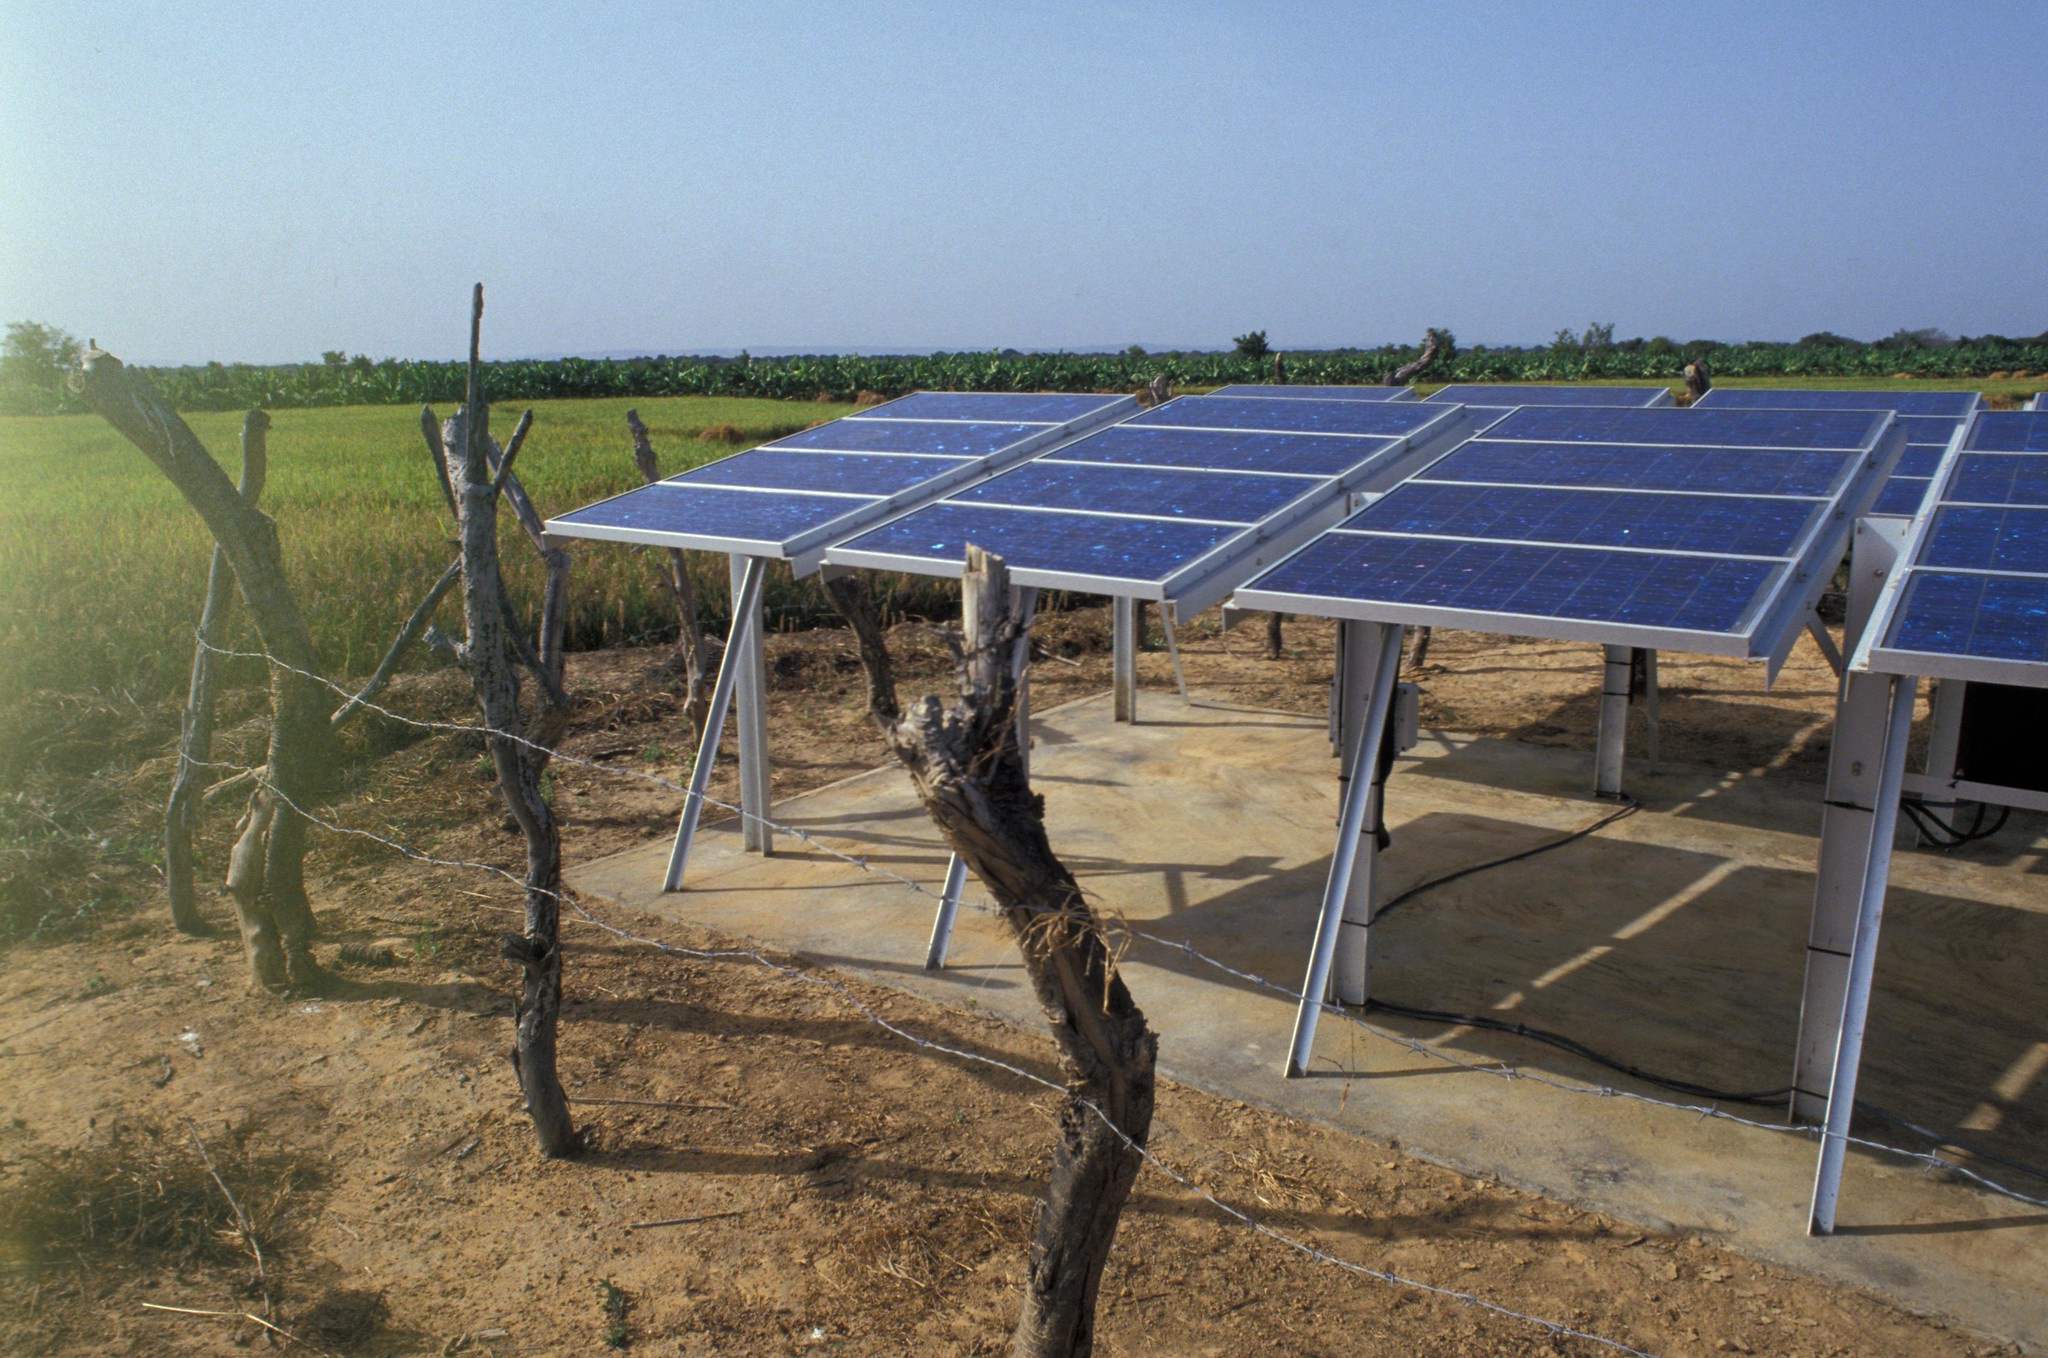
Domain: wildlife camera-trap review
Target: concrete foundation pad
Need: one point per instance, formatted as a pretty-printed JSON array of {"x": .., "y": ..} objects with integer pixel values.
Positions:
[{"x": 1671, "y": 940}]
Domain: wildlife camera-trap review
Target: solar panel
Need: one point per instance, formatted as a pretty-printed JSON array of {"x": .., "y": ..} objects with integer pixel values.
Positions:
[
  {"x": 1317, "y": 393},
  {"x": 1930, "y": 419},
  {"x": 1534, "y": 394},
  {"x": 1704, "y": 530},
  {"x": 1179, "y": 504},
  {"x": 1972, "y": 600},
  {"x": 787, "y": 498}
]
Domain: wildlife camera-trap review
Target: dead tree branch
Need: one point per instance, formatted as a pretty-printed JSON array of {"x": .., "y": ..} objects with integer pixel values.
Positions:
[
  {"x": 1432, "y": 344},
  {"x": 972, "y": 778},
  {"x": 691, "y": 646},
  {"x": 400, "y": 644},
  {"x": 1698, "y": 380}
]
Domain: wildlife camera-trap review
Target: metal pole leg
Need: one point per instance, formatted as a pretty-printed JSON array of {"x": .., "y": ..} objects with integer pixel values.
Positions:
[
  {"x": 1613, "y": 723},
  {"x": 744, "y": 599},
  {"x": 752, "y": 723},
  {"x": 1350, "y": 830},
  {"x": 1834, "y": 1145},
  {"x": 1123, "y": 614},
  {"x": 1180, "y": 678},
  {"x": 1650, "y": 707},
  {"x": 949, "y": 910}
]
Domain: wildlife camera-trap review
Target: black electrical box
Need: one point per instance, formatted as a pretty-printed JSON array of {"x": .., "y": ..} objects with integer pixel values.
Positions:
[{"x": 2004, "y": 738}]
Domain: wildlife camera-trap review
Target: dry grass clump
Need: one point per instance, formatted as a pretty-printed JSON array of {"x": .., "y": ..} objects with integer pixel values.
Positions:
[{"x": 724, "y": 433}]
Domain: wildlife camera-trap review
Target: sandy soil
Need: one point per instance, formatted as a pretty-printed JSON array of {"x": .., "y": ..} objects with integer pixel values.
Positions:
[{"x": 828, "y": 1188}]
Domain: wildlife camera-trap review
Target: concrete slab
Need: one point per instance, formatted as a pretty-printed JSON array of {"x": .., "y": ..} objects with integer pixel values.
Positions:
[{"x": 1671, "y": 940}]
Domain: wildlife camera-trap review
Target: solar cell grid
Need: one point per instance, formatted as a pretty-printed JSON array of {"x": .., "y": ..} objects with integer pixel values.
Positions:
[
  {"x": 1951, "y": 403},
  {"x": 1317, "y": 393},
  {"x": 2008, "y": 431},
  {"x": 1024, "y": 407},
  {"x": 1383, "y": 418},
  {"x": 783, "y": 469},
  {"x": 1901, "y": 496},
  {"x": 1221, "y": 450},
  {"x": 950, "y": 438},
  {"x": 1627, "y": 467},
  {"x": 2000, "y": 479},
  {"x": 1693, "y": 428},
  {"x": 1156, "y": 492},
  {"x": 1074, "y": 544},
  {"x": 1474, "y": 393},
  {"x": 1715, "y": 524}
]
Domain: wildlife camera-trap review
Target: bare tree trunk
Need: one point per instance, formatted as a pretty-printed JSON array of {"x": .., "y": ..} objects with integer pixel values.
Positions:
[
  {"x": 691, "y": 646},
  {"x": 1421, "y": 652},
  {"x": 1279, "y": 371},
  {"x": 972, "y": 778},
  {"x": 478, "y": 475},
  {"x": 1698, "y": 380},
  {"x": 266, "y": 872},
  {"x": 1432, "y": 344},
  {"x": 195, "y": 739},
  {"x": 1276, "y": 637}
]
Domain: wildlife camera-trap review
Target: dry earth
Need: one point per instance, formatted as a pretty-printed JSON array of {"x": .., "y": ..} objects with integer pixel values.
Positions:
[{"x": 817, "y": 1185}]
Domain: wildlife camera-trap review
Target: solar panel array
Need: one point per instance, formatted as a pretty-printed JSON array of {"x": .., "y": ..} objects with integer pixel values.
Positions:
[
  {"x": 1317, "y": 393},
  {"x": 1930, "y": 419},
  {"x": 1168, "y": 504},
  {"x": 1972, "y": 602},
  {"x": 1707, "y": 530},
  {"x": 786, "y": 498},
  {"x": 1535, "y": 394}
]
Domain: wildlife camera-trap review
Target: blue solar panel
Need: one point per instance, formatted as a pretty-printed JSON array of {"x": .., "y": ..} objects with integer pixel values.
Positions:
[
  {"x": 1717, "y": 524},
  {"x": 1953, "y": 403},
  {"x": 1023, "y": 407},
  {"x": 1318, "y": 393},
  {"x": 1693, "y": 428},
  {"x": 776, "y": 468},
  {"x": 950, "y": 439},
  {"x": 1771, "y": 472},
  {"x": 1901, "y": 496},
  {"x": 1987, "y": 540},
  {"x": 1384, "y": 418},
  {"x": 1990, "y": 617},
  {"x": 1637, "y": 588},
  {"x": 1079, "y": 544},
  {"x": 2000, "y": 479},
  {"x": 2010, "y": 431},
  {"x": 1930, "y": 430},
  {"x": 1918, "y": 460},
  {"x": 1221, "y": 450},
  {"x": 713, "y": 511},
  {"x": 1152, "y": 491},
  {"x": 1480, "y": 394}
]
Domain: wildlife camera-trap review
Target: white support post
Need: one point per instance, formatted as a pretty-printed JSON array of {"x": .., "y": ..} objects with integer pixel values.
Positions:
[
  {"x": 1352, "y": 830},
  {"x": 1123, "y": 615},
  {"x": 1650, "y": 707},
  {"x": 1351, "y": 968},
  {"x": 1336, "y": 691},
  {"x": 1613, "y": 722},
  {"x": 1848, "y": 822},
  {"x": 746, "y": 599},
  {"x": 1944, "y": 738},
  {"x": 1821, "y": 638},
  {"x": 1180, "y": 678},
  {"x": 1024, "y": 603},
  {"x": 752, "y": 722},
  {"x": 1855, "y": 1013}
]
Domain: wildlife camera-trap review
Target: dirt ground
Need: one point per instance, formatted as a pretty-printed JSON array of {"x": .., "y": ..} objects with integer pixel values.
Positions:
[{"x": 767, "y": 1172}]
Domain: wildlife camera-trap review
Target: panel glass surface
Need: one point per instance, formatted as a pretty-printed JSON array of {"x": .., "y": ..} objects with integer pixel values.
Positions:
[
  {"x": 1384, "y": 418},
  {"x": 2000, "y": 479},
  {"x": 1638, "y": 588},
  {"x": 1156, "y": 492},
  {"x": 1990, "y": 617},
  {"x": 950, "y": 439},
  {"x": 1715, "y": 524},
  {"x": 1222, "y": 450},
  {"x": 1919, "y": 460},
  {"x": 2010, "y": 431},
  {"x": 1768, "y": 472},
  {"x": 1692, "y": 427},
  {"x": 1482, "y": 394},
  {"x": 1967, "y": 538},
  {"x": 777, "y": 468},
  {"x": 1080, "y": 544},
  {"x": 1926, "y": 429},
  {"x": 1021, "y": 407},
  {"x": 1955, "y": 403},
  {"x": 713, "y": 511},
  {"x": 1902, "y": 496},
  {"x": 1318, "y": 393}
]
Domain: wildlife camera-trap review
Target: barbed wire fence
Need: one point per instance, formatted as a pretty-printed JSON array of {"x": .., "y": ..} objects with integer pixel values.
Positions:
[{"x": 1932, "y": 1162}]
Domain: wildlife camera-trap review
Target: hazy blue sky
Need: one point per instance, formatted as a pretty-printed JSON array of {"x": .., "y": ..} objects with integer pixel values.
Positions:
[{"x": 261, "y": 183}]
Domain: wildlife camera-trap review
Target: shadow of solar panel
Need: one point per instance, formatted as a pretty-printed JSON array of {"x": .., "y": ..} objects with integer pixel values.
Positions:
[
  {"x": 1317, "y": 393},
  {"x": 1902, "y": 496},
  {"x": 714, "y": 511},
  {"x": 1967, "y": 538},
  {"x": 1082, "y": 544},
  {"x": 780, "y": 469},
  {"x": 1637, "y": 588},
  {"x": 1769, "y": 472},
  {"x": 1954, "y": 403},
  {"x": 2010, "y": 431},
  {"x": 1384, "y": 418},
  {"x": 1693, "y": 427},
  {"x": 1716, "y": 524},
  {"x": 1482, "y": 394},
  {"x": 953, "y": 439},
  {"x": 2000, "y": 479},
  {"x": 1992, "y": 617},
  {"x": 1007, "y": 406},
  {"x": 1152, "y": 491},
  {"x": 1222, "y": 450}
]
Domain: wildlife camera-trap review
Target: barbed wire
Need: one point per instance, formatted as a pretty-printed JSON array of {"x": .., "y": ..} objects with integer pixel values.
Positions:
[{"x": 1930, "y": 1160}]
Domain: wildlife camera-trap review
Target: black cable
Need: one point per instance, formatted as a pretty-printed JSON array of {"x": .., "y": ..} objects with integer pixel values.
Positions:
[
  {"x": 1433, "y": 883},
  {"x": 1942, "y": 1139},
  {"x": 1947, "y": 836}
]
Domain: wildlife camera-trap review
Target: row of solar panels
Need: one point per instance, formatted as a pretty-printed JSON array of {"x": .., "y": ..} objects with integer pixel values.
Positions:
[{"x": 1710, "y": 529}]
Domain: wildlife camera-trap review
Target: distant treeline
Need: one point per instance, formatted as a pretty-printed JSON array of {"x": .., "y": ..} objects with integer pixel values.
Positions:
[{"x": 343, "y": 380}]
